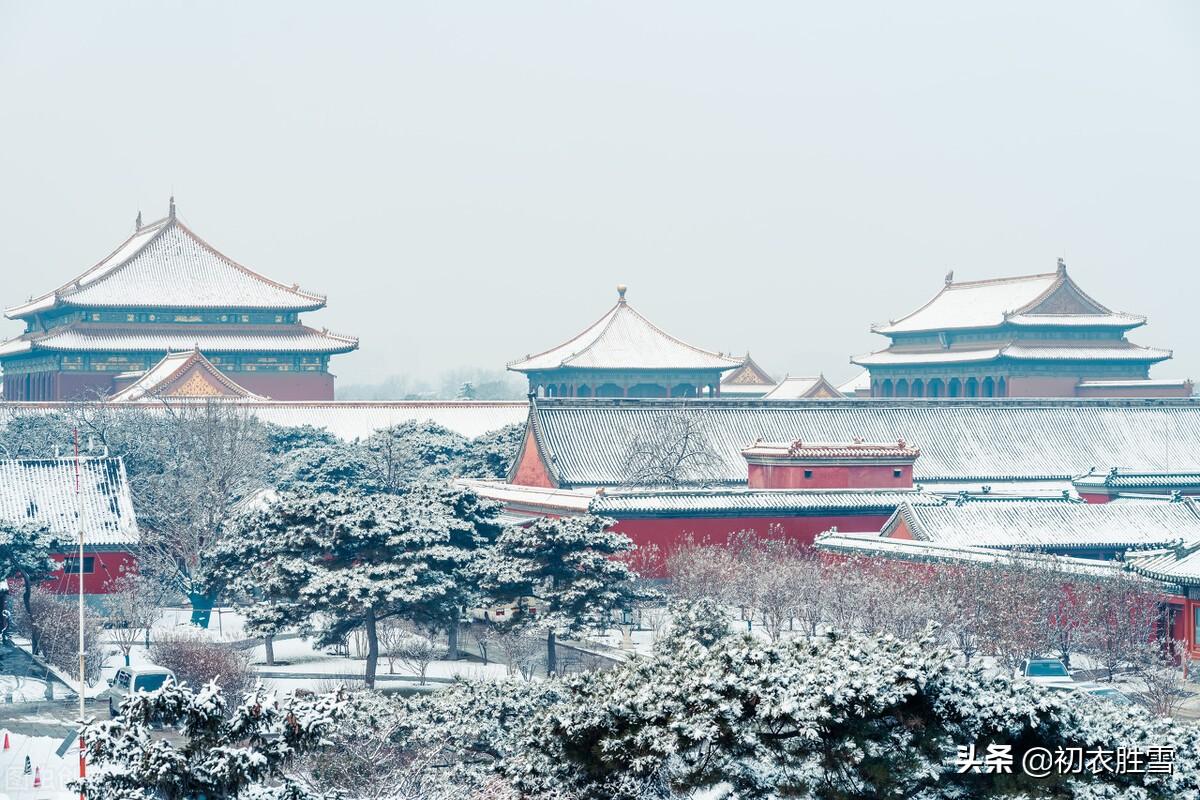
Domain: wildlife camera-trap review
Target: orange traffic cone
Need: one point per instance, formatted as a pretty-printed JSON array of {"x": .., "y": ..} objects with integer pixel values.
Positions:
[
  {"x": 37, "y": 778},
  {"x": 6, "y": 740}
]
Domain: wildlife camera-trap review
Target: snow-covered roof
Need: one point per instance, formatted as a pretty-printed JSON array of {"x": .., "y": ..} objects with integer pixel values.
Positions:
[
  {"x": 748, "y": 377},
  {"x": 42, "y": 491},
  {"x": 348, "y": 419},
  {"x": 1123, "y": 351},
  {"x": 856, "y": 450},
  {"x": 624, "y": 339},
  {"x": 871, "y": 544},
  {"x": 801, "y": 388},
  {"x": 1179, "y": 565},
  {"x": 586, "y": 442},
  {"x": 1057, "y": 524},
  {"x": 1148, "y": 383},
  {"x": 702, "y": 502},
  {"x": 859, "y": 383},
  {"x": 182, "y": 376},
  {"x": 1117, "y": 478},
  {"x": 516, "y": 496},
  {"x": 166, "y": 265},
  {"x": 1050, "y": 298},
  {"x": 102, "y": 337}
]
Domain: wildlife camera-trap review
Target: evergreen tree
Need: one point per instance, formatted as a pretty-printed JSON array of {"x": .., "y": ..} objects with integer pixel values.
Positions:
[
  {"x": 237, "y": 753},
  {"x": 491, "y": 455},
  {"x": 568, "y": 566},
  {"x": 351, "y": 560},
  {"x": 25, "y": 550}
]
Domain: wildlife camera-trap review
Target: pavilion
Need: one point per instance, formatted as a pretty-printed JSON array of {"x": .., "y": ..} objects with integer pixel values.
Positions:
[
  {"x": 1028, "y": 336},
  {"x": 623, "y": 354},
  {"x": 164, "y": 290}
]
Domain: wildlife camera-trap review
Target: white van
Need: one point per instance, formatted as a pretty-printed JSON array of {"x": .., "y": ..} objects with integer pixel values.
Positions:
[{"x": 135, "y": 679}]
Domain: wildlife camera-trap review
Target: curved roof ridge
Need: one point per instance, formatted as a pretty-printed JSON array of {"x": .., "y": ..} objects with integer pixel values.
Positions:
[
  {"x": 530, "y": 356},
  {"x": 733, "y": 362},
  {"x": 294, "y": 288},
  {"x": 158, "y": 227},
  {"x": 592, "y": 339},
  {"x": 118, "y": 260},
  {"x": 950, "y": 285}
]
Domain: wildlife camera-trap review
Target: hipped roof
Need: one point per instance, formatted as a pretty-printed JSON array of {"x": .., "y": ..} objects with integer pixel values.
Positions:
[
  {"x": 166, "y": 265},
  {"x": 624, "y": 339}
]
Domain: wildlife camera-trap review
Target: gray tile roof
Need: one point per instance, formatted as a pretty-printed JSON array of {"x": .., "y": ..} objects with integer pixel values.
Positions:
[
  {"x": 1054, "y": 524},
  {"x": 1178, "y": 565},
  {"x": 585, "y": 442},
  {"x": 1121, "y": 479},
  {"x": 43, "y": 491}
]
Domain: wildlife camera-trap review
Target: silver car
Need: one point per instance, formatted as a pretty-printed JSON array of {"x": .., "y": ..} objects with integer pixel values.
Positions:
[{"x": 135, "y": 679}]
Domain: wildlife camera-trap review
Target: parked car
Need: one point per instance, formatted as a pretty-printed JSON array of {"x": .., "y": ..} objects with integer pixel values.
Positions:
[
  {"x": 1099, "y": 691},
  {"x": 1045, "y": 672},
  {"x": 135, "y": 679}
]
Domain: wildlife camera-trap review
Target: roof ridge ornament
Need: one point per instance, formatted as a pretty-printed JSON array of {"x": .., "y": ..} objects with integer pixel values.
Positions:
[
  {"x": 1062, "y": 266},
  {"x": 949, "y": 278},
  {"x": 137, "y": 222},
  {"x": 621, "y": 289},
  {"x": 171, "y": 209}
]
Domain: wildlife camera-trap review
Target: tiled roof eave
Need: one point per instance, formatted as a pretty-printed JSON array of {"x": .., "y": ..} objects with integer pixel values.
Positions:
[{"x": 318, "y": 302}]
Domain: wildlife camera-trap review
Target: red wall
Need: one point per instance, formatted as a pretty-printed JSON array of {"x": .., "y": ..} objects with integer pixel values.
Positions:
[
  {"x": 287, "y": 385},
  {"x": 530, "y": 470},
  {"x": 668, "y": 533},
  {"x": 829, "y": 476},
  {"x": 109, "y": 566}
]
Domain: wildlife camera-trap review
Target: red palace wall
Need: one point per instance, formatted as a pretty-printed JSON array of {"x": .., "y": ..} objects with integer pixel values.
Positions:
[
  {"x": 829, "y": 476},
  {"x": 287, "y": 385},
  {"x": 668, "y": 533},
  {"x": 275, "y": 385},
  {"x": 109, "y": 565}
]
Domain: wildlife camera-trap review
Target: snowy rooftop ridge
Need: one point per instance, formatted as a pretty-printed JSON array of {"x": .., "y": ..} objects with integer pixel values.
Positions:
[
  {"x": 624, "y": 339},
  {"x": 166, "y": 265},
  {"x": 1021, "y": 300}
]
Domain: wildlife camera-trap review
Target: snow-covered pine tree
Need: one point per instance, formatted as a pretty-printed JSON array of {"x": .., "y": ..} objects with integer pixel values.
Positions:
[
  {"x": 474, "y": 527},
  {"x": 568, "y": 565},
  {"x": 348, "y": 561},
  {"x": 237, "y": 755}
]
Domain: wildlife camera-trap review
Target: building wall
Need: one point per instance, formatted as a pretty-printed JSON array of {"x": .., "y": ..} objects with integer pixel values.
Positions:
[
  {"x": 829, "y": 476},
  {"x": 668, "y": 533},
  {"x": 1047, "y": 386},
  {"x": 108, "y": 566},
  {"x": 87, "y": 385},
  {"x": 1184, "y": 390},
  {"x": 287, "y": 385},
  {"x": 529, "y": 469}
]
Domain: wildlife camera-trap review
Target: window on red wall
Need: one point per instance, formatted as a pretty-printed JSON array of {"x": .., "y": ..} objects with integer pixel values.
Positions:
[{"x": 71, "y": 565}]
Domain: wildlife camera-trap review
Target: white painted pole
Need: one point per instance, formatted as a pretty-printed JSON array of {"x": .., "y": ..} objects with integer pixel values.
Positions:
[{"x": 79, "y": 577}]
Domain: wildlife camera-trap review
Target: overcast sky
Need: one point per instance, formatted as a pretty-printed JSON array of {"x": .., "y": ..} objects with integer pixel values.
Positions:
[{"x": 467, "y": 182}]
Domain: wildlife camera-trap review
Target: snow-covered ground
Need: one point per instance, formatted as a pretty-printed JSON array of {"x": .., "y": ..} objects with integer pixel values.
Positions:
[
  {"x": 23, "y": 689},
  {"x": 54, "y": 771}
]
